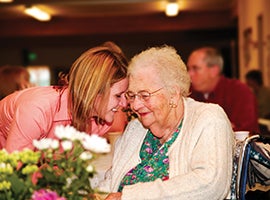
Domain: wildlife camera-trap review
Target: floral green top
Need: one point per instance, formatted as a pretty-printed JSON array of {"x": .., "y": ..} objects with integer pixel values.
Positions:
[{"x": 154, "y": 161}]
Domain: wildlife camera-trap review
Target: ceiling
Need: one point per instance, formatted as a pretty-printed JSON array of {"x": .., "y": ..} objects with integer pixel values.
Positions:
[{"x": 85, "y": 17}]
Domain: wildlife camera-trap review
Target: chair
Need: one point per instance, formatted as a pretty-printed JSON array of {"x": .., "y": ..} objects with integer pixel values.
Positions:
[{"x": 251, "y": 165}]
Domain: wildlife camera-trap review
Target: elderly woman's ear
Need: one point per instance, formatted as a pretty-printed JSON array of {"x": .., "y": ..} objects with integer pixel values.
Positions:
[
  {"x": 175, "y": 96},
  {"x": 176, "y": 91}
]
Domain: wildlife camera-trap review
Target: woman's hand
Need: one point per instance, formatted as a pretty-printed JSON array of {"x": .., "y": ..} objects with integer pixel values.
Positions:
[{"x": 114, "y": 196}]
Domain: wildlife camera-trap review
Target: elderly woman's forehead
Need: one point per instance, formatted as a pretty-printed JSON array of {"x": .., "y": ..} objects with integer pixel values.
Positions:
[
  {"x": 144, "y": 82},
  {"x": 145, "y": 69}
]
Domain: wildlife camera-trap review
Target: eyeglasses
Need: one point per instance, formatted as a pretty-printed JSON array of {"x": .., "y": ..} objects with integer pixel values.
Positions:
[{"x": 142, "y": 95}]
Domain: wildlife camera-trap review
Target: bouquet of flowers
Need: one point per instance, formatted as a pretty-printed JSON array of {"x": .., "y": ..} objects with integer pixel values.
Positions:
[{"x": 60, "y": 169}]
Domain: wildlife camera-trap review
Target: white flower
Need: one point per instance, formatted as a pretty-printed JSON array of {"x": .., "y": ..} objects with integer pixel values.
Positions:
[
  {"x": 96, "y": 144},
  {"x": 46, "y": 143},
  {"x": 93, "y": 142},
  {"x": 63, "y": 132},
  {"x": 78, "y": 136},
  {"x": 67, "y": 145},
  {"x": 69, "y": 132},
  {"x": 2, "y": 165},
  {"x": 42, "y": 144},
  {"x": 54, "y": 144},
  {"x": 90, "y": 168},
  {"x": 5, "y": 168},
  {"x": 69, "y": 181},
  {"x": 86, "y": 155}
]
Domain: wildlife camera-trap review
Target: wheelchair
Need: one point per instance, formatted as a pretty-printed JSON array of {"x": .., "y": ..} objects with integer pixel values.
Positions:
[{"x": 251, "y": 167}]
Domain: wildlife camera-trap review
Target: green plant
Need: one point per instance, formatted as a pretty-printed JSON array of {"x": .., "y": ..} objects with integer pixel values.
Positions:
[{"x": 59, "y": 167}]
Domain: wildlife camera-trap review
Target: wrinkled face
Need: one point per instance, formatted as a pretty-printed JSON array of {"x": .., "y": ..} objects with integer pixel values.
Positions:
[
  {"x": 155, "y": 110},
  {"x": 201, "y": 75},
  {"x": 117, "y": 100}
]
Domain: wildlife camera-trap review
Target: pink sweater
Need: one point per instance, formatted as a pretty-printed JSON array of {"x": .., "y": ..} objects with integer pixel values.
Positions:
[{"x": 33, "y": 114}]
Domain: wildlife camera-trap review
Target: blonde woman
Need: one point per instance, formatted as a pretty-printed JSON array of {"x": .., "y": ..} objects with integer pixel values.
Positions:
[{"x": 92, "y": 93}]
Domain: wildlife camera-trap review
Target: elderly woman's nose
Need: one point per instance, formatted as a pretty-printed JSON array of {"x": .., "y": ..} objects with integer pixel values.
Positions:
[{"x": 136, "y": 104}]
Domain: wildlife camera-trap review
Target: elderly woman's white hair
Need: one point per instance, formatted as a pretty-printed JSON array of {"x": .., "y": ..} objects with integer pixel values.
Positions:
[{"x": 169, "y": 65}]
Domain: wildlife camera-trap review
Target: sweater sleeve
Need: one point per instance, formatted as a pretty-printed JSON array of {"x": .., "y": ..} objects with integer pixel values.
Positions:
[{"x": 31, "y": 121}]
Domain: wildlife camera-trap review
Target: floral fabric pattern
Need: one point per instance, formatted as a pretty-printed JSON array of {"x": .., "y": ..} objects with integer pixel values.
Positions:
[{"x": 154, "y": 161}]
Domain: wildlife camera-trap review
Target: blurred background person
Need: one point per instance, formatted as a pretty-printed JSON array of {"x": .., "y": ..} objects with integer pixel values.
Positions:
[
  {"x": 205, "y": 67},
  {"x": 88, "y": 98},
  {"x": 255, "y": 81},
  {"x": 178, "y": 148},
  {"x": 13, "y": 78}
]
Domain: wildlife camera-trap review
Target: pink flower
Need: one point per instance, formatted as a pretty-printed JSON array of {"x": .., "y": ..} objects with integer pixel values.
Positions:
[
  {"x": 46, "y": 195},
  {"x": 148, "y": 169},
  {"x": 148, "y": 150},
  {"x": 166, "y": 160}
]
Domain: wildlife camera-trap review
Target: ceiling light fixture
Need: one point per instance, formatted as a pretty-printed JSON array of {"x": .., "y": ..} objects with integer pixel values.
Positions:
[
  {"x": 37, "y": 13},
  {"x": 172, "y": 9},
  {"x": 6, "y": 1}
]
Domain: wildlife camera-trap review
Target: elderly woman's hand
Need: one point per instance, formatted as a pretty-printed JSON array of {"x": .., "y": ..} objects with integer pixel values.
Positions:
[{"x": 114, "y": 196}]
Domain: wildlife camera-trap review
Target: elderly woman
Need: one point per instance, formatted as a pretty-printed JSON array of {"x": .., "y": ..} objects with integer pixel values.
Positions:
[{"x": 178, "y": 148}]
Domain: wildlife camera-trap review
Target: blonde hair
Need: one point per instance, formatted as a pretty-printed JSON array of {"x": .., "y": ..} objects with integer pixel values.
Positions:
[
  {"x": 93, "y": 74},
  {"x": 169, "y": 65}
]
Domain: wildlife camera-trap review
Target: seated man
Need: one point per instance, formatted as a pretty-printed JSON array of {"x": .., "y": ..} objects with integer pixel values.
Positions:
[{"x": 205, "y": 67}]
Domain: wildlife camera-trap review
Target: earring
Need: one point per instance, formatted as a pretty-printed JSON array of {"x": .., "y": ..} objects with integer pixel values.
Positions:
[{"x": 172, "y": 104}]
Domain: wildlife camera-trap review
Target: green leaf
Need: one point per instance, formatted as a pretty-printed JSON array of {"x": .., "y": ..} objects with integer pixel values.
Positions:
[{"x": 20, "y": 187}]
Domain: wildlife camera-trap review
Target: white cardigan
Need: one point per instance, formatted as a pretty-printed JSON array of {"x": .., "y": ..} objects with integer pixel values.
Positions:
[{"x": 200, "y": 164}]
